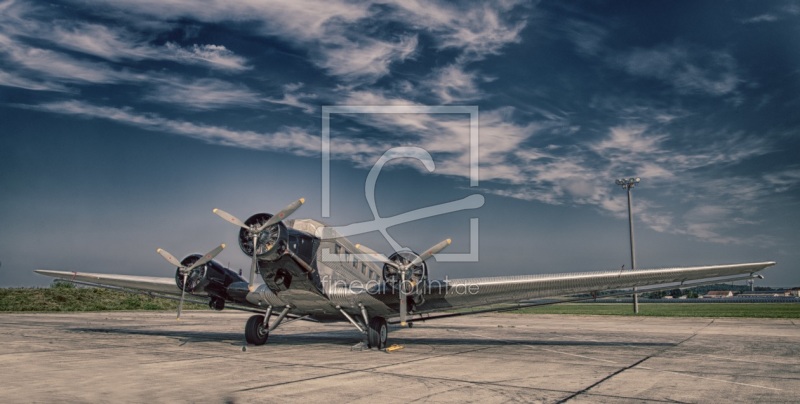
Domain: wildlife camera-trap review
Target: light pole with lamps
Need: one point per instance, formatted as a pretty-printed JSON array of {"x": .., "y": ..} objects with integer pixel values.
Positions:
[{"x": 628, "y": 184}]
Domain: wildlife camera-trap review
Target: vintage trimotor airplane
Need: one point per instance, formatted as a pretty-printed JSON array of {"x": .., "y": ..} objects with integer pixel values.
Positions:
[{"x": 310, "y": 272}]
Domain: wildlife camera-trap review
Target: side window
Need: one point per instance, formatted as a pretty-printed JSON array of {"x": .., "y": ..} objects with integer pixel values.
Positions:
[
  {"x": 363, "y": 268},
  {"x": 337, "y": 249}
]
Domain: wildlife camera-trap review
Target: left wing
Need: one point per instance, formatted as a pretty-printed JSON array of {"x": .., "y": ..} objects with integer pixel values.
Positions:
[
  {"x": 504, "y": 289},
  {"x": 477, "y": 292},
  {"x": 162, "y": 285}
]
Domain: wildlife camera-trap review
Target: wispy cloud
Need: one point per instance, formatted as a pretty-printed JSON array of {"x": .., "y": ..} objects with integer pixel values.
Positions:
[
  {"x": 292, "y": 139},
  {"x": 292, "y": 97},
  {"x": 687, "y": 70},
  {"x": 23, "y": 21},
  {"x": 453, "y": 84},
  {"x": 365, "y": 60},
  {"x": 478, "y": 30},
  {"x": 202, "y": 94},
  {"x": 211, "y": 55},
  {"x": 761, "y": 18},
  {"x": 13, "y": 80},
  {"x": 587, "y": 37},
  {"x": 56, "y": 66}
]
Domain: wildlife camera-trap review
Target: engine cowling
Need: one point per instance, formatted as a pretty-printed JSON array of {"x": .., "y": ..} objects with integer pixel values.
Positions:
[
  {"x": 210, "y": 279},
  {"x": 270, "y": 242},
  {"x": 416, "y": 277}
]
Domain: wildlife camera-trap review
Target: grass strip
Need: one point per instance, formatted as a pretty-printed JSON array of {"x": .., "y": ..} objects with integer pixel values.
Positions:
[{"x": 751, "y": 310}]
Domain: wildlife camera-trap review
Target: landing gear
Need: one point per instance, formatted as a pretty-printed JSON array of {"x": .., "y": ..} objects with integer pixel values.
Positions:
[
  {"x": 257, "y": 329},
  {"x": 256, "y": 332},
  {"x": 216, "y": 303},
  {"x": 377, "y": 333}
]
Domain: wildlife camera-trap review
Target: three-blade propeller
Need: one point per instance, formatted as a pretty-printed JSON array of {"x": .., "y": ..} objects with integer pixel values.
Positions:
[
  {"x": 255, "y": 230},
  {"x": 403, "y": 269},
  {"x": 184, "y": 270}
]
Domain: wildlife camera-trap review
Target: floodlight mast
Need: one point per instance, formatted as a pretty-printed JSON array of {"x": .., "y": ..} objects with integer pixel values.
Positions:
[{"x": 628, "y": 184}]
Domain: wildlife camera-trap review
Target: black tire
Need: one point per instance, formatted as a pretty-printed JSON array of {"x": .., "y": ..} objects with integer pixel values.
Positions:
[
  {"x": 378, "y": 333},
  {"x": 216, "y": 304},
  {"x": 254, "y": 332}
]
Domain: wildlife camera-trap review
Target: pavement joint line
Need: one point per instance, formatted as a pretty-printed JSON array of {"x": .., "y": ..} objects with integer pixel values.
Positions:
[
  {"x": 708, "y": 378},
  {"x": 601, "y": 381},
  {"x": 694, "y": 334},
  {"x": 368, "y": 369},
  {"x": 539, "y": 348},
  {"x": 628, "y": 367}
]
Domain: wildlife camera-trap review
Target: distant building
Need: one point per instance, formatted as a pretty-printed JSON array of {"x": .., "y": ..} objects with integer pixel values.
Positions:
[
  {"x": 770, "y": 293},
  {"x": 718, "y": 294}
]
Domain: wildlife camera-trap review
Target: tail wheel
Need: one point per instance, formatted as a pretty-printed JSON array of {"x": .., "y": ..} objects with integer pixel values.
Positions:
[
  {"x": 378, "y": 333},
  {"x": 255, "y": 332}
]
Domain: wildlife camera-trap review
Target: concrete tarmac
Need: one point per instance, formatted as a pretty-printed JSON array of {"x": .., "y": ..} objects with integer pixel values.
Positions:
[{"x": 151, "y": 357}]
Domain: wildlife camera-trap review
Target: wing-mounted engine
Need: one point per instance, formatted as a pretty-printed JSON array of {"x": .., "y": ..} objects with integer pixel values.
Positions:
[
  {"x": 199, "y": 274},
  {"x": 407, "y": 274},
  {"x": 269, "y": 242},
  {"x": 210, "y": 278},
  {"x": 416, "y": 276}
]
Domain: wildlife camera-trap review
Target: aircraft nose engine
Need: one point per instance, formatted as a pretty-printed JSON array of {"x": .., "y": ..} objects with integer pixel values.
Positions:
[{"x": 270, "y": 241}]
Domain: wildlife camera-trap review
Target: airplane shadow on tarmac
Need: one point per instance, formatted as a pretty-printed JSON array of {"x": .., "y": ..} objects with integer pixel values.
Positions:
[{"x": 348, "y": 338}]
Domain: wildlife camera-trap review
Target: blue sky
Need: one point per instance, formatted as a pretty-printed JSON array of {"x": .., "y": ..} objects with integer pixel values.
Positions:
[{"x": 125, "y": 123}]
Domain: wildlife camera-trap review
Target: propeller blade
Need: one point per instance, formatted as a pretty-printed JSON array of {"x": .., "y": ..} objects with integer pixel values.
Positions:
[
  {"x": 169, "y": 257},
  {"x": 403, "y": 298},
  {"x": 429, "y": 253},
  {"x": 229, "y": 217},
  {"x": 208, "y": 257},
  {"x": 253, "y": 262},
  {"x": 183, "y": 293},
  {"x": 283, "y": 214},
  {"x": 376, "y": 255}
]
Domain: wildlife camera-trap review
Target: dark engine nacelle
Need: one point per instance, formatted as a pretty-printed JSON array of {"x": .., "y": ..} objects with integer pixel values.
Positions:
[
  {"x": 212, "y": 278},
  {"x": 416, "y": 276},
  {"x": 271, "y": 241}
]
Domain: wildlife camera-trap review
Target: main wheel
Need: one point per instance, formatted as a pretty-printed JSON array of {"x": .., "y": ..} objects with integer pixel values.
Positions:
[
  {"x": 378, "y": 333},
  {"x": 216, "y": 304},
  {"x": 255, "y": 332}
]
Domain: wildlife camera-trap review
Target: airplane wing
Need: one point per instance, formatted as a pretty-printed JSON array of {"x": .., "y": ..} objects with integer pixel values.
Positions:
[
  {"x": 161, "y": 285},
  {"x": 478, "y": 292}
]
